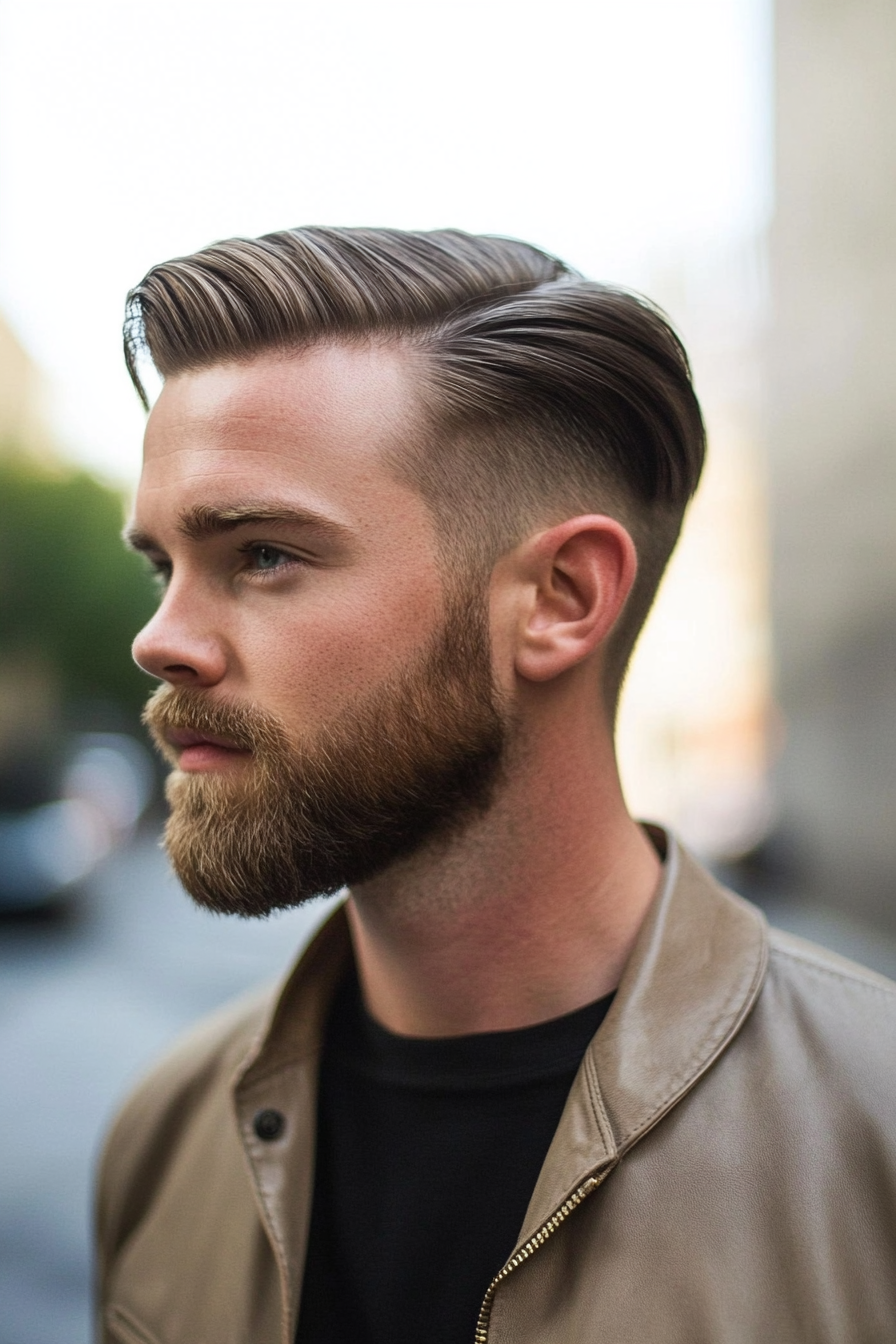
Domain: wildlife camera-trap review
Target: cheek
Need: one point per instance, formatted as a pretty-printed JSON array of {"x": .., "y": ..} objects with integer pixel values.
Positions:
[{"x": 315, "y": 656}]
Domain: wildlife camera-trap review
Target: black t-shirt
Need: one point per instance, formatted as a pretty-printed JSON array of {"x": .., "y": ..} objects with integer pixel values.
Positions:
[{"x": 427, "y": 1155}]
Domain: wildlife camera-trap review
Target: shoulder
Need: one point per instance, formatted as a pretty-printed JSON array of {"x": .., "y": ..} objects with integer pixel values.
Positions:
[
  {"x": 812, "y": 972},
  {"x": 185, "y": 1106},
  {"x": 827, "y": 1022},
  {"x": 202, "y": 1058},
  {"x": 193, "y": 1078}
]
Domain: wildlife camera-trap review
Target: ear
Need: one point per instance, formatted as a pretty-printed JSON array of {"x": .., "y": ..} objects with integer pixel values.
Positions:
[{"x": 575, "y": 579}]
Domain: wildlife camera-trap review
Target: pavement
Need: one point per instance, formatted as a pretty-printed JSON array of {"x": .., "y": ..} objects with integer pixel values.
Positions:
[{"x": 86, "y": 1004}]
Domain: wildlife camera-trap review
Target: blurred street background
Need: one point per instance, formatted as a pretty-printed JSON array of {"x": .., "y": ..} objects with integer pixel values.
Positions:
[{"x": 733, "y": 159}]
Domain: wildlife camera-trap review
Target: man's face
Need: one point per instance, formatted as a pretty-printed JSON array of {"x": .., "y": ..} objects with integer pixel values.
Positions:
[{"x": 329, "y": 700}]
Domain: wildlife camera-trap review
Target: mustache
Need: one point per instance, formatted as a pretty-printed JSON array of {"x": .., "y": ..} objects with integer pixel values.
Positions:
[{"x": 247, "y": 727}]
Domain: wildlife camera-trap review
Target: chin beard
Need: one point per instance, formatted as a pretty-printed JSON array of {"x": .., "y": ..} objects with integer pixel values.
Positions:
[{"x": 412, "y": 762}]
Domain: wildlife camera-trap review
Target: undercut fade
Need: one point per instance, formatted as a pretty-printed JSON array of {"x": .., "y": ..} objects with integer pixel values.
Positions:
[{"x": 543, "y": 394}]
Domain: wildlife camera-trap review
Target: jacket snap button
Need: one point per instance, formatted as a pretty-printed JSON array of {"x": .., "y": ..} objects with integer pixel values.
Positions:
[{"x": 268, "y": 1125}]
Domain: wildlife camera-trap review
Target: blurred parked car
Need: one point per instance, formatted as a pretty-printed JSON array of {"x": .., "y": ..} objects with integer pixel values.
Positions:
[{"x": 62, "y": 812}]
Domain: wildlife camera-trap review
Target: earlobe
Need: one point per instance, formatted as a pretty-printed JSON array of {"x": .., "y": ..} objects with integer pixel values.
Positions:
[{"x": 579, "y": 575}]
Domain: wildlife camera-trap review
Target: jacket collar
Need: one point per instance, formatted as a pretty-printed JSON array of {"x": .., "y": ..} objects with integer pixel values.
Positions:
[{"x": 693, "y": 976}]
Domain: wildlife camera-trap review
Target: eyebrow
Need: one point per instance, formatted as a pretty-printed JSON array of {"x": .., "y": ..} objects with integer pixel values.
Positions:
[{"x": 208, "y": 520}]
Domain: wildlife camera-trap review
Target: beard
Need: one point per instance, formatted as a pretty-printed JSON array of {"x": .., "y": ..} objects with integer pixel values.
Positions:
[{"x": 411, "y": 762}]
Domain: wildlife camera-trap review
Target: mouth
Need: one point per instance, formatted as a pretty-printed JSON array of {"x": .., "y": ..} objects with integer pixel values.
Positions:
[{"x": 198, "y": 751}]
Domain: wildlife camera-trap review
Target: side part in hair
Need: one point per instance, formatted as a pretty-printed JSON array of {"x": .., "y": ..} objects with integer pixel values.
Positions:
[{"x": 544, "y": 392}]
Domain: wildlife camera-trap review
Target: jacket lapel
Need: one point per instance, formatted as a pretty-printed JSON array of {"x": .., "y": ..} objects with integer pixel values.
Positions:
[{"x": 693, "y": 976}]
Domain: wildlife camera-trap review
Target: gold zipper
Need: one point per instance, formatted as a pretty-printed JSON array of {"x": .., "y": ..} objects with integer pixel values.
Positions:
[{"x": 546, "y": 1230}]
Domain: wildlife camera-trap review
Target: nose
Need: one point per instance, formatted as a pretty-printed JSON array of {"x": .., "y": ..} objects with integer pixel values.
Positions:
[{"x": 175, "y": 648}]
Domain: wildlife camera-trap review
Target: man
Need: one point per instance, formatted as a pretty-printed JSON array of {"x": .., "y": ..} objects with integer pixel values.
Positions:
[{"x": 538, "y": 1078}]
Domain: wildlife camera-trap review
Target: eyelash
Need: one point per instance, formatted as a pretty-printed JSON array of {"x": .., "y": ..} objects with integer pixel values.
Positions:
[
  {"x": 254, "y": 547},
  {"x": 161, "y": 569}
]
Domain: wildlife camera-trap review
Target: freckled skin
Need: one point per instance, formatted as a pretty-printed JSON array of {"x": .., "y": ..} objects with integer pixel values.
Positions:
[{"x": 308, "y": 433}]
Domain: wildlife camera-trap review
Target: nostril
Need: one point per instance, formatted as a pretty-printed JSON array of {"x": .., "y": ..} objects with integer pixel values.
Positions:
[{"x": 180, "y": 655}]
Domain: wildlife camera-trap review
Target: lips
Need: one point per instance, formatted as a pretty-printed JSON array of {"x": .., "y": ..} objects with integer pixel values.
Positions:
[
  {"x": 182, "y": 738},
  {"x": 199, "y": 752}
]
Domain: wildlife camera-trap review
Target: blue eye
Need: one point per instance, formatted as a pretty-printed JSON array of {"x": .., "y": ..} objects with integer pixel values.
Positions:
[
  {"x": 266, "y": 557},
  {"x": 263, "y": 560}
]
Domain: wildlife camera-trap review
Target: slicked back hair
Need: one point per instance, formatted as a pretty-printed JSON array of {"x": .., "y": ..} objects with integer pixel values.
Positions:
[{"x": 543, "y": 394}]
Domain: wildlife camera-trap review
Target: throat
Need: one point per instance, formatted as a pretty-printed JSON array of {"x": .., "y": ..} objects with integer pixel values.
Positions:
[{"x": 456, "y": 943}]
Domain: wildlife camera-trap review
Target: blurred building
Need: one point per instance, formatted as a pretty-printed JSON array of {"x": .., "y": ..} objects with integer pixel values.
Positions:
[
  {"x": 832, "y": 446},
  {"x": 761, "y": 706},
  {"x": 696, "y": 724}
]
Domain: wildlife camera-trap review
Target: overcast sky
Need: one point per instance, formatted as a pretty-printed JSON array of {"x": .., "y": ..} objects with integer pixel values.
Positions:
[{"x": 607, "y": 132}]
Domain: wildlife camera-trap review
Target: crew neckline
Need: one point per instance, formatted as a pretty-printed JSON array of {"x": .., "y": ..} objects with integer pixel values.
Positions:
[{"x": 519, "y": 1056}]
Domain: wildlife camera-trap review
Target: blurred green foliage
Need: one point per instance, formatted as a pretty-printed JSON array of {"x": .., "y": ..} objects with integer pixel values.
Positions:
[{"x": 71, "y": 597}]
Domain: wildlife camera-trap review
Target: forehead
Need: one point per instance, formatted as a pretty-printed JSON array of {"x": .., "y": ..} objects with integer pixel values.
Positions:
[{"x": 322, "y": 420}]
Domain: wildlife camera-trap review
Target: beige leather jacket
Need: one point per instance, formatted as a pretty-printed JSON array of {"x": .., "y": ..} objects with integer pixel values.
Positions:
[{"x": 724, "y": 1171}]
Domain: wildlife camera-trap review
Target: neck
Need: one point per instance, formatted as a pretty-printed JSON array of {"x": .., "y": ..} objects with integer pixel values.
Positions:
[{"x": 529, "y": 913}]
